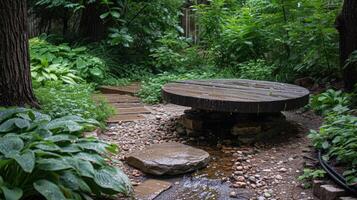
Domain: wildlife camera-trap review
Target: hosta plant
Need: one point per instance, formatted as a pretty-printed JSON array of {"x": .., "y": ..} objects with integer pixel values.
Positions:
[
  {"x": 327, "y": 101},
  {"x": 64, "y": 62},
  {"x": 337, "y": 137},
  {"x": 50, "y": 158}
]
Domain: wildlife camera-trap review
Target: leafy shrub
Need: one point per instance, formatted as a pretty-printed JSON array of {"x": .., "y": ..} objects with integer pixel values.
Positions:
[
  {"x": 169, "y": 53},
  {"x": 310, "y": 174},
  {"x": 150, "y": 90},
  {"x": 59, "y": 100},
  {"x": 257, "y": 70},
  {"x": 241, "y": 40},
  {"x": 325, "y": 102},
  {"x": 338, "y": 138},
  {"x": 49, "y": 158},
  {"x": 296, "y": 36},
  {"x": 61, "y": 62}
]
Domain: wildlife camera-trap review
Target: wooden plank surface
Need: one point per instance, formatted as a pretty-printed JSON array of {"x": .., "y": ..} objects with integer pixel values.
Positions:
[
  {"x": 236, "y": 95},
  {"x": 133, "y": 110},
  {"x": 128, "y": 89},
  {"x": 129, "y": 108}
]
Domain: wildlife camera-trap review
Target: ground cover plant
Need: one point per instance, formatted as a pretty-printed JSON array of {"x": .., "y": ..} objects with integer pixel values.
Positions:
[
  {"x": 337, "y": 136},
  {"x": 58, "y": 100},
  {"x": 61, "y": 62},
  {"x": 48, "y": 157}
]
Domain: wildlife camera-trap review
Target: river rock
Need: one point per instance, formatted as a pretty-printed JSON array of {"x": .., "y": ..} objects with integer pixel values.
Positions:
[
  {"x": 150, "y": 189},
  {"x": 168, "y": 159}
]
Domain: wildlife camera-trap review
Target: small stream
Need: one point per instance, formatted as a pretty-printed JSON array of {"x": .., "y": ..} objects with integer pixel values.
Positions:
[{"x": 206, "y": 184}]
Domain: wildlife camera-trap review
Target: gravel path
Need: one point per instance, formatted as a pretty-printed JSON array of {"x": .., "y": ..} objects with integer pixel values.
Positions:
[{"x": 266, "y": 171}]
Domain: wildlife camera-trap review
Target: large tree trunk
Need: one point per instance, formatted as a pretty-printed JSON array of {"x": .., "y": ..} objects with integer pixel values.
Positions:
[
  {"x": 91, "y": 26},
  {"x": 15, "y": 77},
  {"x": 346, "y": 24}
]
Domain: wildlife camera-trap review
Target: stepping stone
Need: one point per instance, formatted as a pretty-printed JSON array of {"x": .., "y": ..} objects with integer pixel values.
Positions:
[
  {"x": 168, "y": 159},
  {"x": 150, "y": 189},
  {"x": 330, "y": 192}
]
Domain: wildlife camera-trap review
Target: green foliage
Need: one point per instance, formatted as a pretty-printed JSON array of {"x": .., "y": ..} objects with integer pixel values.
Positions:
[
  {"x": 169, "y": 54},
  {"x": 298, "y": 37},
  {"x": 50, "y": 158},
  {"x": 338, "y": 138},
  {"x": 150, "y": 90},
  {"x": 310, "y": 175},
  {"x": 330, "y": 101},
  {"x": 58, "y": 100},
  {"x": 61, "y": 62},
  {"x": 258, "y": 70},
  {"x": 352, "y": 58}
]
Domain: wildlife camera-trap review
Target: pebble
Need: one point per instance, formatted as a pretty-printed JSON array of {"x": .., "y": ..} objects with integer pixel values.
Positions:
[
  {"x": 282, "y": 169},
  {"x": 240, "y": 178},
  {"x": 233, "y": 194},
  {"x": 279, "y": 177},
  {"x": 267, "y": 195}
]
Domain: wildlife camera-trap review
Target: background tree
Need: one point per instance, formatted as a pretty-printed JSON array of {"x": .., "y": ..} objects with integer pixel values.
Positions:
[
  {"x": 346, "y": 24},
  {"x": 15, "y": 78}
]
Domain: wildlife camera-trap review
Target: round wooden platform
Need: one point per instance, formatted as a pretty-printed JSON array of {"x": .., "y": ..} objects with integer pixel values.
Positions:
[{"x": 236, "y": 95}]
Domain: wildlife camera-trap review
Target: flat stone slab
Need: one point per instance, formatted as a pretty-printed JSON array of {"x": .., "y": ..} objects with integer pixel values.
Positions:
[
  {"x": 168, "y": 159},
  {"x": 150, "y": 189}
]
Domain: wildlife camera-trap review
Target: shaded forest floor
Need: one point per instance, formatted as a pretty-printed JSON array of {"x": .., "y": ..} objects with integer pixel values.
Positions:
[{"x": 267, "y": 170}]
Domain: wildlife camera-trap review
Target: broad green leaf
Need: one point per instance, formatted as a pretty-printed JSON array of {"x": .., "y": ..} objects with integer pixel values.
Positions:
[
  {"x": 95, "y": 146},
  {"x": 96, "y": 72},
  {"x": 8, "y": 125},
  {"x": 114, "y": 179},
  {"x": 11, "y": 194},
  {"x": 71, "y": 148},
  {"x": 72, "y": 181},
  {"x": 83, "y": 167},
  {"x": 22, "y": 123},
  {"x": 61, "y": 138},
  {"x": 49, "y": 190},
  {"x": 11, "y": 144},
  {"x": 25, "y": 160},
  {"x": 104, "y": 15},
  {"x": 48, "y": 146},
  {"x": 71, "y": 126},
  {"x": 53, "y": 164},
  {"x": 94, "y": 158},
  {"x": 7, "y": 113}
]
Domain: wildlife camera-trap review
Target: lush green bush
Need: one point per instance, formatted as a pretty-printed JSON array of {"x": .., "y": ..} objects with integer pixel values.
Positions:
[
  {"x": 257, "y": 70},
  {"x": 150, "y": 90},
  {"x": 58, "y": 100},
  {"x": 169, "y": 54},
  {"x": 330, "y": 101},
  {"x": 50, "y": 158},
  {"x": 61, "y": 62},
  {"x": 174, "y": 53},
  {"x": 296, "y": 36},
  {"x": 338, "y": 138}
]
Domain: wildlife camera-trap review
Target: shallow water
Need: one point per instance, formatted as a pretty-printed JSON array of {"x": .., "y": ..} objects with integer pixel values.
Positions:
[
  {"x": 206, "y": 184},
  {"x": 191, "y": 188}
]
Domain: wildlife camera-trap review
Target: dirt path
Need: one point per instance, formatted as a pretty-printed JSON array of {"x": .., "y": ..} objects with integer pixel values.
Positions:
[{"x": 267, "y": 170}]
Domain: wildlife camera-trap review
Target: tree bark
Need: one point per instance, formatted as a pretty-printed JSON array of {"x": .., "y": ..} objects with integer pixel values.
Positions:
[
  {"x": 15, "y": 75},
  {"x": 346, "y": 24},
  {"x": 91, "y": 26}
]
